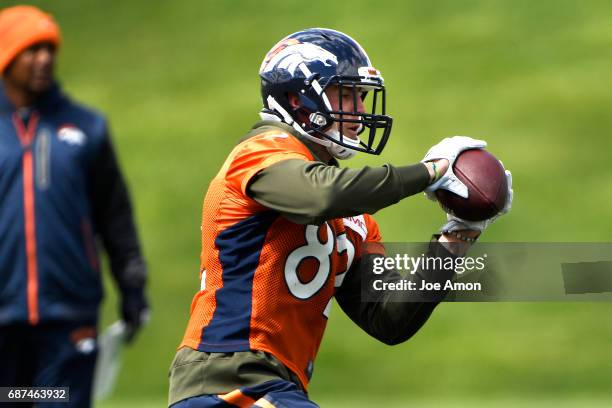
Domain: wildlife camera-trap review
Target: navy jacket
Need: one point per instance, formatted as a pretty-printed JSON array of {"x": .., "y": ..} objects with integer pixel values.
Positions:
[{"x": 60, "y": 190}]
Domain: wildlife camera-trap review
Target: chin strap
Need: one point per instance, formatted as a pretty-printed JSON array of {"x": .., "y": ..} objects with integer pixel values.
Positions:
[
  {"x": 286, "y": 117},
  {"x": 337, "y": 151}
]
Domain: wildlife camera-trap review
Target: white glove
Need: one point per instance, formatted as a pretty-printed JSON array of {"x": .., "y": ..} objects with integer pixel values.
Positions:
[
  {"x": 449, "y": 148},
  {"x": 456, "y": 224}
]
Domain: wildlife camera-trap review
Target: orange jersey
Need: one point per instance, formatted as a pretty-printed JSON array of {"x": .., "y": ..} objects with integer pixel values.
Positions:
[{"x": 267, "y": 283}]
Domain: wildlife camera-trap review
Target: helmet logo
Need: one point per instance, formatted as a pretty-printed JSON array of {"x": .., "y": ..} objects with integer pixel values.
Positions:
[
  {"x": 278, "y": 48},
  {"x": 289, "y": 55}
]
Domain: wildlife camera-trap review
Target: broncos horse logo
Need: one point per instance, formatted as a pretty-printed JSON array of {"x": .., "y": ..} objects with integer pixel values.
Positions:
[{"x": 289, "y": 54}]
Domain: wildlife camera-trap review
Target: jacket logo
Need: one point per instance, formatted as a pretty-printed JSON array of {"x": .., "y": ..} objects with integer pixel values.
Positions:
[
  {"x": 84, "y": 339},
  {"x": 71, "y": 135}
]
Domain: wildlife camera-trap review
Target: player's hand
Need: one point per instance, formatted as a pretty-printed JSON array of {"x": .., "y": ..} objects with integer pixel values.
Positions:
[
  {"x": 134, "y": 311},
  {"x": 449, "y": 148},
  {"x": 457, "y": 224}
]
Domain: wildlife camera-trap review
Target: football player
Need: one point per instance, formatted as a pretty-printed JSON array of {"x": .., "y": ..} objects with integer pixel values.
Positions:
[{"x": 284, "y": 229}]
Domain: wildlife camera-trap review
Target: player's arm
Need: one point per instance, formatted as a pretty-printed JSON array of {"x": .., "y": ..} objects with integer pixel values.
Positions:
[
  {"x": 308, "y": 192},
  {"x": 393, "y": 316}
]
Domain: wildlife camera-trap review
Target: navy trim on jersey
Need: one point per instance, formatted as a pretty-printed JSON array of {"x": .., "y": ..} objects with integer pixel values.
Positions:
[{"x": 239, "y": 249}]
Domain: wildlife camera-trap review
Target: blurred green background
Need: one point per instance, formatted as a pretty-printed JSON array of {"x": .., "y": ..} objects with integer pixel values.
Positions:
[{"x": 179, "y": 82}]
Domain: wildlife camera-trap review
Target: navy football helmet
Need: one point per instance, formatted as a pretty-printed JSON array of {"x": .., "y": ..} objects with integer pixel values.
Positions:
[{"x": 306, "y": 64}]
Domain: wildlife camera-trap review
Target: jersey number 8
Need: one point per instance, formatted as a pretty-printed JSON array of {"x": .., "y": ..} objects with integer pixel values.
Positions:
[{"x": 321, "y": 251}]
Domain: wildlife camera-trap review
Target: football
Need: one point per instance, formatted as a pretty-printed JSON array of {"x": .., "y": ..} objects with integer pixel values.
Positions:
[{"x": 485, "y": 178}]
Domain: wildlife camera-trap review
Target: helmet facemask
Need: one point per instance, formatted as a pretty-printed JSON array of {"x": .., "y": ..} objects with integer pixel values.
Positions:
[{"x": 374, "y": 127}]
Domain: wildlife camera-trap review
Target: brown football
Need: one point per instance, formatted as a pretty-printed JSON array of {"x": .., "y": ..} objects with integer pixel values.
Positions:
[{"x": 486, "y": 181}]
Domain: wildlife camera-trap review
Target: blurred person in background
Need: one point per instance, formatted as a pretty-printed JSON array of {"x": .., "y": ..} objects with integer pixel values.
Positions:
[
  {"x": 285, "y": 230},
  {"x": 60, "y": 190}
]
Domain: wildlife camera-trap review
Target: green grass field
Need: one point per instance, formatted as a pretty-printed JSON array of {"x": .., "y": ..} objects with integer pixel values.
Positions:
[{"x": 179, "y": 83}]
